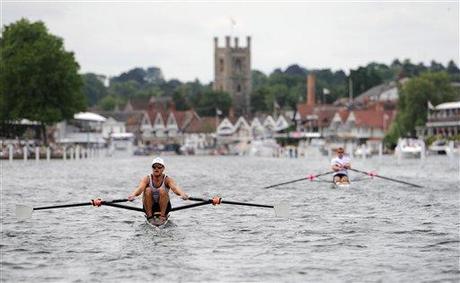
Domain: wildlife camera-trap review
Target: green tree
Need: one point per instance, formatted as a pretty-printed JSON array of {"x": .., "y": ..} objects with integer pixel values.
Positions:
[
  {"x": 258, "y": 100},
  {"x": 39, "y": 80},
  {"x": 109, "y": 102},
  {"x": 212, "y": 100},
  {"x": 180, "y": 101},
  {"x": 124, "y": 90},
  {"x": 413, "y": 100},
  {"x": 93, "y": 88},
  {"x": 364, "y": 78}
]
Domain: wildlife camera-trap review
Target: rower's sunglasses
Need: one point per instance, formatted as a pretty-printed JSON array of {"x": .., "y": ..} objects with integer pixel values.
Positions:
[{"x": 157, "y": 166}]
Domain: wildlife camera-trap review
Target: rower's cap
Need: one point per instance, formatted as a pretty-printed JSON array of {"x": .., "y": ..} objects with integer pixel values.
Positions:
[{"x": 158, "y": 160}]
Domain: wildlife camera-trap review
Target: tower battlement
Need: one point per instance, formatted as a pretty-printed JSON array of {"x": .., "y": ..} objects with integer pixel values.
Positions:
[{"x": 232, "y": 72}]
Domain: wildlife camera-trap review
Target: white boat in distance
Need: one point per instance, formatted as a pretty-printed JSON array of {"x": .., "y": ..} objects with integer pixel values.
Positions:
[{"x": 409, "y": 148}]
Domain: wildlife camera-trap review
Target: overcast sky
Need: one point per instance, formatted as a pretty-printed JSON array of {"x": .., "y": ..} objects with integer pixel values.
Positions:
[{"x": 112, "y": 37}]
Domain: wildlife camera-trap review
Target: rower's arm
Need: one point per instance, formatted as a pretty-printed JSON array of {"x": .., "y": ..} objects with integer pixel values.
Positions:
[
  {"x": 140, "y": 188},
  {"x": 336, "y": 167},
  {"x": 176, "y": 189}
]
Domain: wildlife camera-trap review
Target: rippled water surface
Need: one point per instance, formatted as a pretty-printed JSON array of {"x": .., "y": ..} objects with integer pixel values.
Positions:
[{"x": 375, "y": 231}]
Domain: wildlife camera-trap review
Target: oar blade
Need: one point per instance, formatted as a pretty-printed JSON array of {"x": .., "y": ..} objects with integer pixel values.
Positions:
[
  {"x": 23, "y": 211},
  {"x": 282, "y": 209}
]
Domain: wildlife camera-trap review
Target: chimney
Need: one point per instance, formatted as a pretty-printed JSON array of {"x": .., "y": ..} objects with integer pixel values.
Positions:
[
  {"x": 311, "y": 89},
  {"x": 248, "y": 42},
  {"x": 236, "y": 42},
  {"x": 227, "y": 41},
  {"x": 216, "y": 42},
  {"x": 231, "y": 114}
]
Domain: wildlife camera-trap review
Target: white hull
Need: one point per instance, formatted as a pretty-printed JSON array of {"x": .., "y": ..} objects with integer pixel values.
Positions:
[
  {"x": 410, "y": 148},
  {"x": 341, "y": 185}
]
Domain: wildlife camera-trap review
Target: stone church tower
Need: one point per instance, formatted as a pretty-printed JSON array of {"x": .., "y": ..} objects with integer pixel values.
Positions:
[{"x": 232, "y": 73}]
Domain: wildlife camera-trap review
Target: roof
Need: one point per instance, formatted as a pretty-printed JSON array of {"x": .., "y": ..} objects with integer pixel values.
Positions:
[
  {"x": 137, "y": 103},
  {"x": 89, "y": 116},
  {"x": 201, "y": 125},
  {"x": 376, "y": 91},
  {"x": 130, "y": 117},
  {"x": 305, "y": 110},
  {"x": 448, "y": 105},
  {"x": 183, "y": 118},
  {"x": 373, "y": 119}
]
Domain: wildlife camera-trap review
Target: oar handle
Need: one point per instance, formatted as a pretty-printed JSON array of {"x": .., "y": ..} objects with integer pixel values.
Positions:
[
  {"x": 232, "y": 202},
  {"x": 78, "y": 204}
]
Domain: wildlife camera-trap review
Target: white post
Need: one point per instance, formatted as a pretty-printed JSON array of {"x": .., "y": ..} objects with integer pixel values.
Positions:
[
  {"x": 450, "y": 151},
  {"x": 10, "y": 151},
  {"x": 380, "y": 150},
  {"x": 64, "y": 153},
  {"x": 48, "y": 153},
  {"x": 24, "y": 152},
  {"x": 349, "y": 149},
  {"x": 37, "y": 153},
  {"x": 422, "y": 154},
  {"x": 77, "y": 153},
  {"x": 364, "y": 151},
  {"x": 71, "y": 153}
]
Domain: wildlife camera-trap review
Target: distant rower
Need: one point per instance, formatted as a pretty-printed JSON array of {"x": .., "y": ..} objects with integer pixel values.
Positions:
[{"x": 340, "y": 164}]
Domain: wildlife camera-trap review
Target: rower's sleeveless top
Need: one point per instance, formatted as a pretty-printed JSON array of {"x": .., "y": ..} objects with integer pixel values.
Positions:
[{"x": 156, "y": 190}]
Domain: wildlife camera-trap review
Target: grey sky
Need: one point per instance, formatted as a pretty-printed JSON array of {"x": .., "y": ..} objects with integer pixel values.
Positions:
[{"x": 113, "y": 37}]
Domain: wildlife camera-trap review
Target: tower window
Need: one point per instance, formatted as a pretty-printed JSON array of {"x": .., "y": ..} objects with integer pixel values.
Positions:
[
  {"x": 238, "y": 64},
  {"x": 221, "y": 64},
  {"x": 238, "y": 88}
]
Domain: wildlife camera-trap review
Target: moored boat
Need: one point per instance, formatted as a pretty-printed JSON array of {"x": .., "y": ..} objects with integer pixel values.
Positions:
[{"x": 408, "y": 148}]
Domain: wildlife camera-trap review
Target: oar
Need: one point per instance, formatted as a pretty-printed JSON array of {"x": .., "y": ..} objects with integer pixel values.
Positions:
[
  {"x": 386, "y": 178},
  {"x": 310, "y": 177},
  {"x": 24, "y": 211},
  {"x": 281, "y": 209},
  {"x": 172, "y": 209}
]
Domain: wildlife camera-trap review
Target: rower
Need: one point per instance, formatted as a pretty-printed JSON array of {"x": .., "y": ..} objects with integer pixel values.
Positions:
[
  {"x": 340, "y": 164},
  {"x": 155, "y": 188}
]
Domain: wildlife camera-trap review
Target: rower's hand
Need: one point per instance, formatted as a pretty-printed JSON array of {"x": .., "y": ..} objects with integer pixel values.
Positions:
[
  {"x": 96, "y": 202},
  {"x": 131, "y": 197},
  {"x": 216, "y": 200},
  {"x": 184, "y": 196}
]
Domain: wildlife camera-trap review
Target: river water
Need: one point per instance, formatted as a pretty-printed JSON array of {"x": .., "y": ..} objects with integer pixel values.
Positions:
[{"x": 375, "y": 231}]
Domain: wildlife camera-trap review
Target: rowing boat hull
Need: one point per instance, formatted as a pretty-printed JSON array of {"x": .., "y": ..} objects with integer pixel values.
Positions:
[
  {"x": 156, "y": 223},
  {"x": 341, "y": 185}
]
